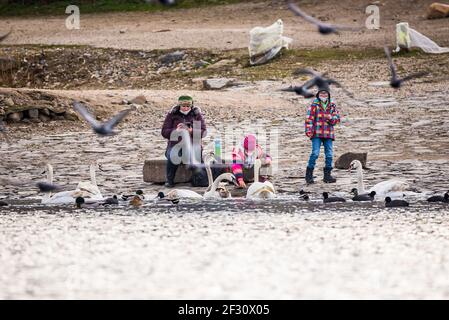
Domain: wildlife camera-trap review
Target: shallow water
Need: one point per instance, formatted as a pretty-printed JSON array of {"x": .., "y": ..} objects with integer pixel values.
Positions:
[{"x": 234, "y": 249}]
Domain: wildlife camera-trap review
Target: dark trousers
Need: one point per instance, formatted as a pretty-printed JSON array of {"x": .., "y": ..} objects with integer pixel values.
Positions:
[{"x": 171, "y": 168}]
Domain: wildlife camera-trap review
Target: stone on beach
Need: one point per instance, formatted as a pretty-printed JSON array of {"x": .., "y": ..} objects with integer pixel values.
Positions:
[
  {"x": 217, "y": 83},
  {"x": 140, "y": 100},
  {"x": 172, "y": 57}
]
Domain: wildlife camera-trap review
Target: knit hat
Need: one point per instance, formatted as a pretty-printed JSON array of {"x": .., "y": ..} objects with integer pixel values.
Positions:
[
  {"x": 249, "y": 143},
  {"x": 185, "y": 98},
  {"x": 323, "y": 90}
]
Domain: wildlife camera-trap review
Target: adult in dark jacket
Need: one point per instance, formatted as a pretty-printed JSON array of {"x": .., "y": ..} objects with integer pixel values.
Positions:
[{"x": 184, "y": 119}]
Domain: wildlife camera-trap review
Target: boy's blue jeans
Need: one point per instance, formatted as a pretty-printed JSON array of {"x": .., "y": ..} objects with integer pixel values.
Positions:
[{"x": 328, "y": 152}]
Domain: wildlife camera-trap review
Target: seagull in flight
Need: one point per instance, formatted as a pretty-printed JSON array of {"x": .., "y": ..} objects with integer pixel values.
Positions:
[
  {"x": 302, "y": 90},
  {"x": 103, "y": 129},
  {"x": 323, "y": 28},
  {"x": 395, "y": 82},
  {"x": 318, "y": 80},
  {"x": 46, "y": 187}
]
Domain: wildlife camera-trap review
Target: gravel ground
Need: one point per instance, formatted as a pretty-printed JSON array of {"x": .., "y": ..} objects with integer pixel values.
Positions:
[{"x": 227, "y": 27}]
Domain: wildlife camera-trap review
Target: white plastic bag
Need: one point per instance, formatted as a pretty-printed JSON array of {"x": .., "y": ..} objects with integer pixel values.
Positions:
[
  {"x": 265, "y": 43},
  {"x": 407, "y": 37}
]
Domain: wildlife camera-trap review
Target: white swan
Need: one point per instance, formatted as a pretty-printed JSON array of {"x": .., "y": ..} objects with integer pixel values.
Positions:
[
  {"x": 91, "y": 187},
  {"x": 382, "y": 189},
  {"x": 85, "y": 189},
  {"x": 260, "y": 190},
  {"x": 64, "y": 197},
  {"x": 183, "y": 194},
  {"x": 216, "y": 189}
]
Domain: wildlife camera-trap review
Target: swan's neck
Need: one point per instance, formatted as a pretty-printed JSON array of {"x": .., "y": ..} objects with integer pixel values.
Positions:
[
  {"x": 360, "y": 186},
  {"x": 209, "y": 174},
  {"x": 49, "y": 173},
  {"x": 256, "y": 170},
  {"x": 93, "y": 178},
  {"x": 47, "y": 196},
  {"x": 189, "y": 151},
  {"x": 217, "y": 181}
]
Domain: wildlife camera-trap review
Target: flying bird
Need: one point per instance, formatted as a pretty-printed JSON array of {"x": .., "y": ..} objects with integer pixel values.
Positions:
[
  {"x": 323, "y": 28},
  {"x": 302, "y": 90},
  {"x": 395, "y": 82},
  {"x": 103, "y": 129},
  {"x": 318, "y": 80},
  {"x": 46, "y": 187}
]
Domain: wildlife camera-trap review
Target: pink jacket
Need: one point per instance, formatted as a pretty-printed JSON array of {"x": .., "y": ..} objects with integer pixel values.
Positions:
[{"x": 240, "y": 158}]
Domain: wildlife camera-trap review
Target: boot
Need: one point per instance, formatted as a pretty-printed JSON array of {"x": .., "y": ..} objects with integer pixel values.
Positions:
[
  {"x": 309, "y": 175},
  {"x": 169, "y": 184},
  {"x": 170, "y": 174},
  {"x": 327, "y": 176}
]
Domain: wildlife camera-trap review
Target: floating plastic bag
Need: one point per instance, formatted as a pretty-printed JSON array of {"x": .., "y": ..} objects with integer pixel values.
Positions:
[
  {"x": 265, "y": 43},
  {"x": 407, "y": 37}
]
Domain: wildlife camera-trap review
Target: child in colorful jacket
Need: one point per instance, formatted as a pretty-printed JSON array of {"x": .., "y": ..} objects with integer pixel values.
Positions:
[
  {"x": 322, "y": 116},
  {"x": 245, "y": 156}
]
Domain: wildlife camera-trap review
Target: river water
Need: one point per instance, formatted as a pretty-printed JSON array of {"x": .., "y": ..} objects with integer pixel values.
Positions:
[{"x": 236, "y": 249}]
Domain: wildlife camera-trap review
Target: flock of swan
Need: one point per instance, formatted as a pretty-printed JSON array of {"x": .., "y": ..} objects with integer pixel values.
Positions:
[
  {"x": 85, "y": 189},
  {"x": 88, "y": 195}
]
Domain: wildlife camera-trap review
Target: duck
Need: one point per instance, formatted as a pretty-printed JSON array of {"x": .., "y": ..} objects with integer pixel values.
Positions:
[
  {"x": 384, "y": 188},
  {"x": 444, "y": 198},
  {"x": 136, "y": 201},
  {"x": 126, "y": 197},
  {"x": 260, "y": 190},
  {"x": 395, "y": 203},
  {"x": 3, "y": 203},
  {"x": 161, "y": 196},
  {"x": 304, "y": 195},
  {"x": 111, "y": 201},
  {"x": 81, "y": 202},
  {"x": 327, "y": 199},
  {"x": 363, "y": 197}
]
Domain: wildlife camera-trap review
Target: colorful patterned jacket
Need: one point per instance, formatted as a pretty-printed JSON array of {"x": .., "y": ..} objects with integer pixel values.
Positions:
[
  {"x": 240, "y": 158},
  {"x": 316, "y": 126}
]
